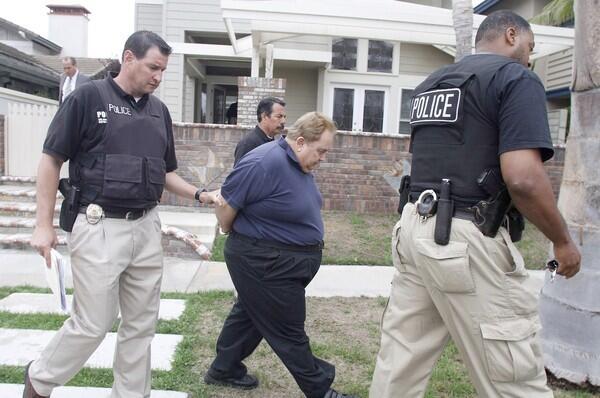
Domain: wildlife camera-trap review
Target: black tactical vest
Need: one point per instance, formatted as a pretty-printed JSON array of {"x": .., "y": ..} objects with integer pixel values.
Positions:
[
  {"x": 454, "y": 128},
  {"x": 127, "y": 168}
]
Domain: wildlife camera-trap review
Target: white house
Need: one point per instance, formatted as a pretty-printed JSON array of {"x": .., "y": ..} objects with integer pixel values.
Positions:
[{"x": 354, "y": 60}]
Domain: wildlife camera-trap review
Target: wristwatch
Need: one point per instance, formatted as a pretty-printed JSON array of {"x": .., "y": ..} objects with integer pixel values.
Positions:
[{"x": 197, "y": 194}]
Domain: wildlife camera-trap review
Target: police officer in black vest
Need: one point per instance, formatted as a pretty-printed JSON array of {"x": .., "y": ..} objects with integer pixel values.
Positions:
[
  {"x": 479, "y": 137},
  {"x": 118, "y": 138}
]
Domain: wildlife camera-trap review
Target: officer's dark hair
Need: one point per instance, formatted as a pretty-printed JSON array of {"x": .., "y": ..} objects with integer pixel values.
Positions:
[
  {"x": 141, "y": 41},
  {"x": 495, "y": 24},
  {"x": 70, "y": 60},
  {"x": 266, "y": 106}
]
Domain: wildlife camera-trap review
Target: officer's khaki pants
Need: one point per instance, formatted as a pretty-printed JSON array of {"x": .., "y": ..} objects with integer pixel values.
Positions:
[
  {"x": 115, "y": 263},
  {"x": 473, "y": 291}
]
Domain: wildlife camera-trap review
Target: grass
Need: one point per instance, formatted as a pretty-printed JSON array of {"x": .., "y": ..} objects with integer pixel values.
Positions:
[
  {"x": 344, "y": 331},
  {"x": 364, "y": 239}
]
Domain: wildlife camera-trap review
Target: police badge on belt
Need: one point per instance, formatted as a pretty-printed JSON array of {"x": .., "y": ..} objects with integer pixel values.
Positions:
[{"x": 94, "y": 213}]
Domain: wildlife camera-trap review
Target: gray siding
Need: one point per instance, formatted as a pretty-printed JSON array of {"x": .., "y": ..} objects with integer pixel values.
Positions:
[
  {"x": 149, "y": 17},
  {"x": 421, "y": 59},
  {"x": 559, "y": 70},
  {"x": 557, "y": 121},
  {"x": 172, "y": 87},
  {"x": 196, "y": 15},
  {"x": 300, "y": 90}
]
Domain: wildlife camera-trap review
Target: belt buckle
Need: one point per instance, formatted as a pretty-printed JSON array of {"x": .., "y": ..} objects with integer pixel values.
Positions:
[
  {"x": 94, "y": 213},
  {"x": 424, "y": 207}
]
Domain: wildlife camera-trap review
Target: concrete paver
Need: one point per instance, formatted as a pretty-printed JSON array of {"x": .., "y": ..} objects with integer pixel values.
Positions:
[
  {"x": 16, "y": 391},
  {"x": 31, "y": 342},
  {"x": 32, "y": 303}
]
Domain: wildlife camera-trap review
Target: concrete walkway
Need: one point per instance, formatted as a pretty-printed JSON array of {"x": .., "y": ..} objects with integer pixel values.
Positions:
[
  {"x": 16, "y": 391},
  {"x": 189, "y": 276},
  {"x": 38, "y": 303},
  {"x": 20, "y": 346}
]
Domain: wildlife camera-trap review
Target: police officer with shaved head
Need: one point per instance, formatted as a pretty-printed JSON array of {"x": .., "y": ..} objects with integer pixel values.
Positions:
[
  {"x": 118, "y": 139},
  {"x": 479, "y": 137}
]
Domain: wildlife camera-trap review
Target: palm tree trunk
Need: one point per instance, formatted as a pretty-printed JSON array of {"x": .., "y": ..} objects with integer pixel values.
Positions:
[
  {"x": 462, "y": 16},
  {"x": 570, "y": 310}
]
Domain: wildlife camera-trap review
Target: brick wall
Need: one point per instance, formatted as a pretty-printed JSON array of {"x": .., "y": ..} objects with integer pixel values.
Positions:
[
  {"x": 204, "y": 154},
  {"x": 2, "y": 145},
  {"x": 351, "y": 178},
  {"x": 250, "y": 91}
]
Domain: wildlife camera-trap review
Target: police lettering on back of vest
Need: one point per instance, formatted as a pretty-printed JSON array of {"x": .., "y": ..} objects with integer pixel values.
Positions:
[{"x": 436, "y": 106}]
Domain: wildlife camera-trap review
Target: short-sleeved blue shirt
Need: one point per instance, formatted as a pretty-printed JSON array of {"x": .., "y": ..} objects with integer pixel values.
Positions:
[{"x": 275, "y": 200}]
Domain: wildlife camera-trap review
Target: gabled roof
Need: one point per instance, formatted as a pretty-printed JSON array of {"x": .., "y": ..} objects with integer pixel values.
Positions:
[
  {"x": 25, "y": 67},
  {"x": 29, "y": 35},
  {"x": 92, "y": 67}
]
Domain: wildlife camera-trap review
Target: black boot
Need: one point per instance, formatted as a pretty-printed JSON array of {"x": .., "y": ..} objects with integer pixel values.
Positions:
[{"x": 334, "y": 394}]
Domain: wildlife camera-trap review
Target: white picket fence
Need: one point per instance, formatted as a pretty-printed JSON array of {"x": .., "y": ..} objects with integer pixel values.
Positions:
[{"x": 26, "y": 128}]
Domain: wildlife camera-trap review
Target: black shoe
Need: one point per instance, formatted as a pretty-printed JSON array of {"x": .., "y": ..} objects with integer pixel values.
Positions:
[
  {"x": 246, "y": 382},
  {"x": 334, "y": 394}
]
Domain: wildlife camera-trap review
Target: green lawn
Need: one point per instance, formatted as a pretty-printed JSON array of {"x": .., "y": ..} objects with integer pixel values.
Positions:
[
  {"x": 364, "y": 239},
  {"x": 344, "y": 331}
]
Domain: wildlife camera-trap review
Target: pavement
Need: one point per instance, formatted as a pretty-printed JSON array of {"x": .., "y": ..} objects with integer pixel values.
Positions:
[
  {"x": 19, "y": 268},
  {"x": 22, "y": 267}
]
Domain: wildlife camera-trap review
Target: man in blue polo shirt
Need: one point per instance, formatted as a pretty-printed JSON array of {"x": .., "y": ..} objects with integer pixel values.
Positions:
[{"x": 272, "y": 209}]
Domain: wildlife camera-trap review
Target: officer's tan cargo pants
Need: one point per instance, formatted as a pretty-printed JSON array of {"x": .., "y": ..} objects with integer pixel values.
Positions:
[
  {"x": 116, "y": 264},
  {"x": 473, "y": 291}
]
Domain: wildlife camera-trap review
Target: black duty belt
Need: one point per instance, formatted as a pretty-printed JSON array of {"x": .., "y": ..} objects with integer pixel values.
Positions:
[
  {"x": 464, "y": 213},
  {"x": 277, "y": 245},
  {"x": 127, "y": 214}
]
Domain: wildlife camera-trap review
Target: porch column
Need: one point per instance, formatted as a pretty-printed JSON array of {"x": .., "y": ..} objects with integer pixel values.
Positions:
[
  {"x": 269, "y": 62},
  {"x": 255, "y": 61}
]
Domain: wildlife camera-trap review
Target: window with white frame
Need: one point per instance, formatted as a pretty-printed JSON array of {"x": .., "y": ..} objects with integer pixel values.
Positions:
[
  {"x": 380, "y": 56},
  {"x": 405, "y": 97},
  {"x": 343, "y": 108},
  {"x": 359, "y": 108},
  {"x": 344, "y": 53},
  {"x": 373, "y": 111}
]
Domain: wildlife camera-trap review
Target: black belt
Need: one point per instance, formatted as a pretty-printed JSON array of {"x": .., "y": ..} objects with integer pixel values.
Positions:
[
  {"x": 278, "y": 245},
  {"x": 127, "y": 214},
  {"x": 464, "y": 213}
]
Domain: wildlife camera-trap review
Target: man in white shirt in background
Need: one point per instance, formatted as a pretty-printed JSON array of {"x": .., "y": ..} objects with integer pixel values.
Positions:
[{"x": 70, "y": 79}]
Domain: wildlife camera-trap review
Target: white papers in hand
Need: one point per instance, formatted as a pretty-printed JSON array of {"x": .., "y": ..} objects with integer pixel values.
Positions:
[{"x": 55, "y": 276}]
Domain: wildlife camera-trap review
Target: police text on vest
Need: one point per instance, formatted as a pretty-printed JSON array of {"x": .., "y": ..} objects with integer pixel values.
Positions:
[
  {"x": 435, "y": 106},
  {"x": 119, "y": 109}
]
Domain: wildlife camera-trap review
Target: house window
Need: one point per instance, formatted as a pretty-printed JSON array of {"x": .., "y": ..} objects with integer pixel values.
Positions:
[
  {"x": 344, "y": 54},
  {"x": 343, "y": 108},
  {"x": 405, "y": 97},
  {"x": 380, "y": 56},
  {"x": 373, "y": 111}
]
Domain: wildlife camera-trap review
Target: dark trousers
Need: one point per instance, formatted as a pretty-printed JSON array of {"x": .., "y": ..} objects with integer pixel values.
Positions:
[{"x": 270, "y": 281}]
